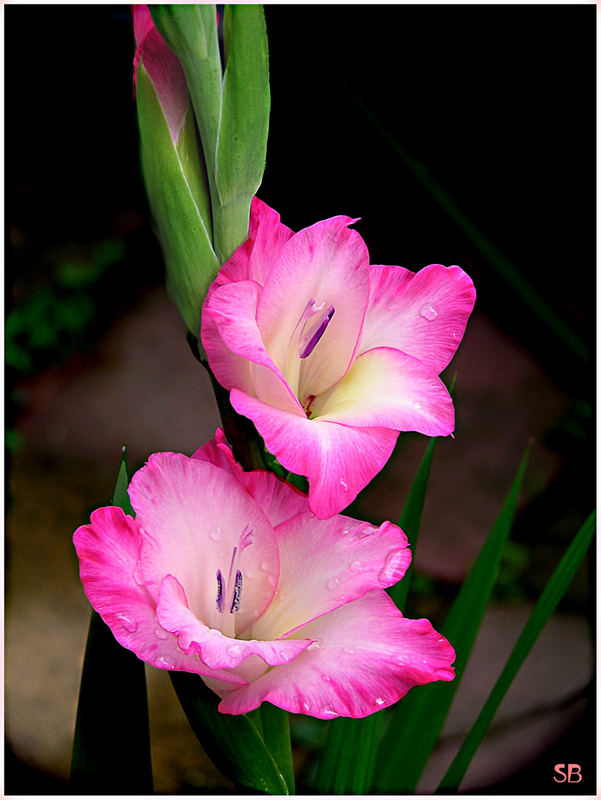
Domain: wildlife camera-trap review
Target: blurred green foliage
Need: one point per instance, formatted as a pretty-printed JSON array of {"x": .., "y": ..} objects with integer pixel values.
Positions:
[{"x": 54, "y": 319}]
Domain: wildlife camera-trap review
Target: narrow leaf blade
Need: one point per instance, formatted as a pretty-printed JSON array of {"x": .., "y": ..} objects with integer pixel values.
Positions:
[
  {"x": 408, "y": 741},
  {"x": 547, "y": 602},
  {"x": 232, "y": 742},
  {"x": 111, "y": 748},
  {"x": 349, "y": 759},
  {"x": 410, "y": 521}
]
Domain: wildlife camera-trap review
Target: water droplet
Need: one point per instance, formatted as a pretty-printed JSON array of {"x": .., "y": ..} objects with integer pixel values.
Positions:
[
  {"x": 356, "y": 566},
  {"x": 329, "y": 712},
  {"x": 313, "y": 646},
  {"x": 349, "y": 650},
  {"x": 234, "y": 649},
  {"x": 215, "y": 534},
  {"x": 161, "y": 634},
  {"x": 333, "y": 583},
  {"x": 428, "y": 312},
  {"x": 306, "y": 706},
  {"x": 387, "y": 574},
  {"x": 271, "y": 580},
  {"x": 137, "y": 575},
  {"x": 417, "y": 405},
  {"x": 344, "y": 531},
  {"x": 424, "y": 660},
  {"x": 326, "y": 678},
  {"x": 344, "y": 484},
  {"x": 380, "y": 701},
  {"x": 164, "y": 663},
  {"x": 454, "y": 335},
  {"x": 129, "y": 623},
  {"x": 266, "y": 566}
]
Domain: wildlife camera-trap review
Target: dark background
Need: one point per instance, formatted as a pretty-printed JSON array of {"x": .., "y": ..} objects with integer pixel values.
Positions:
[{"x": 497, "y": 103}]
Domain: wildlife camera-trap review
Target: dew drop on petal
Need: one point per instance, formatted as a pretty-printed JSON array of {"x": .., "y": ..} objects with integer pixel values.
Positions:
[
  {"x": 344, "y": 484},
  {"x": 215, "y": 534},
  {"x": 163, "y": 663},
  {"x": 356, "y": 566},
  {"x": 344, "y": 531},
  {"x": 326, "y": 678},
  {"x": 306, "y": 706},
  {"x": 271, "y": 580},
  {"x": 394, "y": 559},
  {"x": 161, "y": 634},
  {"x": 137, "y": 575},
  {"x": 417, "y": 405},
  {"x": 428, "y": 312},
  {"x": 332, "y": 583},
  {"x": 380, "y": 701},
  {"x": 234, "y": 650},
  {"x": 314, "y": 645},
  {"x": 329, "y": 712},
  {"x": 266, "y": 566},
  {"x": 129, "y": 623}
]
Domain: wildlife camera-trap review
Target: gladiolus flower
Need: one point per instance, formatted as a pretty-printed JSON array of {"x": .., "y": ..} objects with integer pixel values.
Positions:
[
  {"x": 229, "y": 575},
  {"x": 331, "y": 357}
]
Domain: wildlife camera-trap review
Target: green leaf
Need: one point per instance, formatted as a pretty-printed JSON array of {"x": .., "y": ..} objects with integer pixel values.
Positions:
[
  {"x": 232, "y": 742},
  {"x": 349, "y": 757},
  {"x": 178, "y": 199},
  {"x": 111, "y": 749},
  {"x": 410, "y": 521},
  {"x": 418, "y": 718},
  {"x": 276, "y": 734},
  {"x": 547, "y": 602}
]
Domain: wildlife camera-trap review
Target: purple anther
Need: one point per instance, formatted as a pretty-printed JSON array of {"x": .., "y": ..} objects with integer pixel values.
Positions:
[
  {"x": 219, "y": 591},
  {"x": 237, "y": 593},
  {"x": 309, "y": 347}
]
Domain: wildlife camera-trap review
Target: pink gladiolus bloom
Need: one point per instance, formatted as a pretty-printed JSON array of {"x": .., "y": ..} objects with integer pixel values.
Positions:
[
  {"x": 229, "y": 575},
  {"x": 331, "y": 357}
]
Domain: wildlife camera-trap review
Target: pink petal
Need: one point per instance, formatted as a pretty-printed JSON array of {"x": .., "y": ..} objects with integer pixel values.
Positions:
[
  {"x": 348, "y": 558},
  {"x": 108, "y": 552},
  {"x": 164, "y": 69},
  {"x": 279, "y": 500},
  {"x": 387, "y": 388},
  {"x": 209, "y": 644},
  {"x": 194, "y": 515},
  {"x": 423, "y": 314},
  {"x": 328, "y": 264},
  {"x": 366, "y": 656},
  {"x": 233, "y": 309},
  {"x": 339, "y": 460},
  {"x": 253, "y": 259}
]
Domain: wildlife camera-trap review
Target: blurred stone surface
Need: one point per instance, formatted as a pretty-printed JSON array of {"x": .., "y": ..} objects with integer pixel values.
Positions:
[{"x": 142, "y": 386}]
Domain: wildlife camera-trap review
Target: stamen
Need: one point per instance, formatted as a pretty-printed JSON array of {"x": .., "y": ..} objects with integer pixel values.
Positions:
[
  {"x": 310, "y": 341},
  {"x": 224, "y": 588},
  {"x": 237, "y": 593},
  {"x": 219, "y": 591}
]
